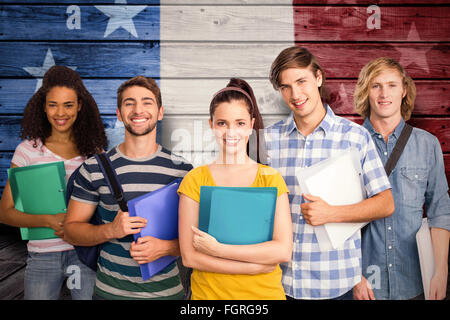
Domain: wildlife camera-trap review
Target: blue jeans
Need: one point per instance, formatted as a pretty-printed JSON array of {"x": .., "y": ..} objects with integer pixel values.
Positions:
[{"x": 45, "y": 274}]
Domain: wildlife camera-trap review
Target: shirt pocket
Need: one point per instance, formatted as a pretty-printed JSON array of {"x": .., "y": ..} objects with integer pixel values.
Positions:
[{"x": 413, "y": 184}]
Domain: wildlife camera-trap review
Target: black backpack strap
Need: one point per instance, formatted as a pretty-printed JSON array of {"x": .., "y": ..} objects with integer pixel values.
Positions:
[
  {"x": 112, "y": 180},
  {"x": 398, "y": 149}
]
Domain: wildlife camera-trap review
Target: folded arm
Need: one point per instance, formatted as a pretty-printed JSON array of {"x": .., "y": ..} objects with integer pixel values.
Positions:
[
  {"x": 188, "y": 217},
  {"x": 275, "y": 251}
]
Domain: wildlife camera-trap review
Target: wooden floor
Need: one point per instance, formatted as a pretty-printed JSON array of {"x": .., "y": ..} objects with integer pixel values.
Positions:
[{"x": 13, "y": 258}]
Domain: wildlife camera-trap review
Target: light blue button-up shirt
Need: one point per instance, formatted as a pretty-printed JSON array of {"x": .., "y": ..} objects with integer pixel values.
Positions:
[{"x": 389, "y": 249}]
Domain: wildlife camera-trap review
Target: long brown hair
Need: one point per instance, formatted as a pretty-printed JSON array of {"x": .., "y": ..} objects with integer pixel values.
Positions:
[
  {"x": 88, "y": 129},
  {"x": 250, "y": 101}
]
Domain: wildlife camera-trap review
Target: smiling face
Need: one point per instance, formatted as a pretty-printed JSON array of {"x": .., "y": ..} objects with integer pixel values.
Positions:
[
  {"x": 232, "y": 125},
  {"x": 61, "y": 108},
  {"x": 299, "y": 88},
  {"x": 139, "y": 111},
  {"x": 386, "y": 92}
]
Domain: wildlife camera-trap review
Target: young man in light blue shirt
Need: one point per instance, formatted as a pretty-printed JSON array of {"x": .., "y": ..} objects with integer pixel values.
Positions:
[
  {"x": 384, "y": 96},
  {"x": 310, "y": 134}
]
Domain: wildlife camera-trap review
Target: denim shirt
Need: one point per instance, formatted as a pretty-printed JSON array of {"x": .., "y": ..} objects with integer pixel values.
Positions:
[{"x": 389, "y": 251}]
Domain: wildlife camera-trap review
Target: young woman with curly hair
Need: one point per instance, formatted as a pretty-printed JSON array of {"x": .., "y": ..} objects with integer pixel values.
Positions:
[{"x": 61, "y": 122}]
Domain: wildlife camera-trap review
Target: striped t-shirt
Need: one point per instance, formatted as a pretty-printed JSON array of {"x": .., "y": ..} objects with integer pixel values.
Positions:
[
  {"x": 26, "y": 154},
  {"x": 118, "y": 275}
]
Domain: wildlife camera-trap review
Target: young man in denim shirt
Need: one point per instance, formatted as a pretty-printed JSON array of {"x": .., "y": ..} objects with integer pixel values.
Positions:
[
  {"x": 310, "y": 134},
  {"x": 384, "y": 96}
]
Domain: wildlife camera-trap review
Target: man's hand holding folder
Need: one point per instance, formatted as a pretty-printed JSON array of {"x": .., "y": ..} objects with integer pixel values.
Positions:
[
  {"x": 316, "y": 212},
  {"x": 147, "y": 249},
  {"x": 144, "y": 249},
  {"x": 124, "y": 225}
]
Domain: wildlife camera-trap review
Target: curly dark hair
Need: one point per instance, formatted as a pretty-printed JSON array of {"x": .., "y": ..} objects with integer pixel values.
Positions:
[{"x": 88, "y": 129}]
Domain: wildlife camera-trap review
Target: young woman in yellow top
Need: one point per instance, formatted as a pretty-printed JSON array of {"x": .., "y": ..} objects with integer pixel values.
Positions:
[{"x": 223, "y": 271}]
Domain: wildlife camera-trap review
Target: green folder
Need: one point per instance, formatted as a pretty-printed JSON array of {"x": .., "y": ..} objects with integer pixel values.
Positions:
[
  {"x": 236, "y": 215},
  {"x": 39, "y": 189}
]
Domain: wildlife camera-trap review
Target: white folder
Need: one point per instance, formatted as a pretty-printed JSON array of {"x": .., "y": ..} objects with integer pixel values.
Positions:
[
  {"x": 338, "y": 181},
  {"x": 426, "y": 256}
]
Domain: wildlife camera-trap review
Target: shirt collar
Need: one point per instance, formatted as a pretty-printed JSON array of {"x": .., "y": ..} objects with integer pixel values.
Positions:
[
  {"x": 373, "y": 132},
  {"x": 326, "y": 123}
]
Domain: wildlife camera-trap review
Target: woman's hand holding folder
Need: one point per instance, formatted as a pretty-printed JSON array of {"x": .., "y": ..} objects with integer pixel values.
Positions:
[
  {"x": 204, "y": 242},
  {"x": 56, "y": 222}
]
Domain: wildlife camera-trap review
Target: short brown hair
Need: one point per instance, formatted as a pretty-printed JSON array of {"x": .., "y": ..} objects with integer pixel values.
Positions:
[
  {"x": 140, "y": 81},
  {"x": 296, "y": 57},
  {"x": 372, "y": 70}
]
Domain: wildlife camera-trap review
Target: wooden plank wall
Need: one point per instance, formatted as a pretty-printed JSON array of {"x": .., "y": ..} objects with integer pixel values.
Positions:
[{"x": 192, "y": 47}]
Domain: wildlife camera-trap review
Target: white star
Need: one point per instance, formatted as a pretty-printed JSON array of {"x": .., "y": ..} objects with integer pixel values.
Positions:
[
  {"x": 39, "y": 72},
  {"x": 343, "y": 96},
  {"x": 413, "y": 35},
  {"x": 120, "y": 16},
  {"x": 413, "y": 55}
]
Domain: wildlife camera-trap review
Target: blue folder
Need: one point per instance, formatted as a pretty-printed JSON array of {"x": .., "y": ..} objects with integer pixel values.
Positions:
[
  {"x": 160, "y": 208},
  {"x": 235, "y": 215}
]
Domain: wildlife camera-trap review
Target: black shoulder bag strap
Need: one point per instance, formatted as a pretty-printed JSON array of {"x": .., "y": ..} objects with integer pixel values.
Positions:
[
  {"x": 113, "y": 182},
  {"x": 398, "y": 149}
]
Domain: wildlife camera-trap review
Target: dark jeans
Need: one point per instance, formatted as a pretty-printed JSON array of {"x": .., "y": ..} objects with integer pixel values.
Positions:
[
  {"x": 419, "y": 297},
  {"x": 97, "y": 297},
  {"x": 346, "y": 296}
]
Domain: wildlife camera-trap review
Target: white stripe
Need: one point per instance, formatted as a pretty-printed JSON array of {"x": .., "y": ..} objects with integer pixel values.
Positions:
[
  {"x": 145, "y": 295},
  {"x": 241, "y": 2},
  {"x": 149, "y": 169},
  {"x": 156, "y": 278},
  {"x": 129, "y": 262},
  {"x": 218, "y": 60},
  {"x": 226, "y": 23}
]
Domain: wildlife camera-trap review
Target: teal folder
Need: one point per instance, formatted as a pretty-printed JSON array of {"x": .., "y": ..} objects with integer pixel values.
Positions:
[
  {"x": 39, "y": 189},
  {"x": 235, "y": 215}
]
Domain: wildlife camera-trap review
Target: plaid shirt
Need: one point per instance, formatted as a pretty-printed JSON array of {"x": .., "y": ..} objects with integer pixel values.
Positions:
[{"x": 312, "y": 274}]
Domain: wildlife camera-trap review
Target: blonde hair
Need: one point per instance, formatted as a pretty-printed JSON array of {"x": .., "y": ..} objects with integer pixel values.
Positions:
[{"x": 372, "y": 70}]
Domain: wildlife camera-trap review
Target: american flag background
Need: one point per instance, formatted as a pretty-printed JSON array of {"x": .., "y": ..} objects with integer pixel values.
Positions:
[{"x": 192, "y": 48}]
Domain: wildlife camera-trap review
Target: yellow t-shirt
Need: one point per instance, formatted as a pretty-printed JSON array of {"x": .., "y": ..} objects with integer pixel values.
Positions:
[{"x": 218, "y": 286}]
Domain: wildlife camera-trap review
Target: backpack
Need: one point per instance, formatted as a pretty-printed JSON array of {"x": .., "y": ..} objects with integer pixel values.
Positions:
[{"x": 88, "y": 255}]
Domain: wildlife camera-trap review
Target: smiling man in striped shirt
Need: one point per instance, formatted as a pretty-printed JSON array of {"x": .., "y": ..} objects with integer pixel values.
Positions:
[
  {"x": 141, "y": 166},
  {"x": 310, "y": 134}
]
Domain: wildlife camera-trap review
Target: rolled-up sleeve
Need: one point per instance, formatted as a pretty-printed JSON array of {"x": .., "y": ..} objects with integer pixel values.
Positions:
[{"x": 437, "y": 201}]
